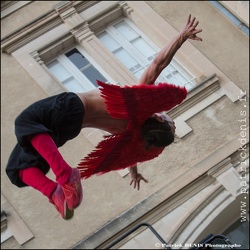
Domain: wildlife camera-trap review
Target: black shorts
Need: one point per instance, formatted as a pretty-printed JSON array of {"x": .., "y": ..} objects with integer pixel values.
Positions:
[{"x": 61, "y": 116}]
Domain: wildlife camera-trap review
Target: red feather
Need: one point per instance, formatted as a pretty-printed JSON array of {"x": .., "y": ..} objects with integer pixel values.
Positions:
[{"x": 135, "y": 104}]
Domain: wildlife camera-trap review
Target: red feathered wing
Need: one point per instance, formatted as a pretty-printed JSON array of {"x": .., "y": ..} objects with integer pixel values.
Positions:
[
  {"x": 138, "y": 102},
  {"x": 116, "y": 152},
  {"x": 135, "y": 104}
]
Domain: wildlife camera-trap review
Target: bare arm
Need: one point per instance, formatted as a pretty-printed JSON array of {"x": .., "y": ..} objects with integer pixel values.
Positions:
[
  {"x": 167, "y": 53},
  {"x": 160, "y": 62}
]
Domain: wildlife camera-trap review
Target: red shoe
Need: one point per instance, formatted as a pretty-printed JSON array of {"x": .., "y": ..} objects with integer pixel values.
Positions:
[
  {"x": 59, "y": 201},
  {"x": 73, "y": 189}
]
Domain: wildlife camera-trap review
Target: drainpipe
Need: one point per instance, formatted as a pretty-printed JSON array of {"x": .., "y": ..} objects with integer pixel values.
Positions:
[{"x": 230, "y": 16}]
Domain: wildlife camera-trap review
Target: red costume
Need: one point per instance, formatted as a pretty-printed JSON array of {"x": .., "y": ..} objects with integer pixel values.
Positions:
[{"x": 136, "y": 104}]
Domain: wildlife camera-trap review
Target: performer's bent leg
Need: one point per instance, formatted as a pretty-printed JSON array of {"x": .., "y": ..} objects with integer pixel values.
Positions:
[
  {"x": 44, "y": 144},
  {"x": 35, "y": 178},
  {"x": 68, "y": 178}
]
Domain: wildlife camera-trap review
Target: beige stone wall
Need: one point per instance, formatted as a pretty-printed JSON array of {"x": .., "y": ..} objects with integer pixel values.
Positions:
[
  {"x": 109, "y": 196},
  {"x": 25, "y": 15},
  {"x": 239, "y": 9}
]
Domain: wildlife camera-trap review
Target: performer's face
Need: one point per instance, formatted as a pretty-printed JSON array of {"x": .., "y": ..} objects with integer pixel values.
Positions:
[{"x": 161, "y": 117}]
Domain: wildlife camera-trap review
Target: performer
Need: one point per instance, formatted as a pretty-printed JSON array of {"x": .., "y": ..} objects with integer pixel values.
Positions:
[{"x": 132, "y": 115}]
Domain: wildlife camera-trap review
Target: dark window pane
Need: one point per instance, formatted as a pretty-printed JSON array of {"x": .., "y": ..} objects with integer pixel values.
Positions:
[
  {"x": 77, "y": 58},
  {"x": 85, "y": 66},
  {"x": 92, "y": 74}
]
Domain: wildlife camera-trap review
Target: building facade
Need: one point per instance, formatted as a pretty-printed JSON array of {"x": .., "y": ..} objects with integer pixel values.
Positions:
[{"x": 198, "y": 185}]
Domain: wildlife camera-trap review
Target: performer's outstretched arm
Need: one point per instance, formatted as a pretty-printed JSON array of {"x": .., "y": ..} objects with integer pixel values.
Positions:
[
  {"x": 167, "y": 53},
  {"x": 160, "y": 62}
]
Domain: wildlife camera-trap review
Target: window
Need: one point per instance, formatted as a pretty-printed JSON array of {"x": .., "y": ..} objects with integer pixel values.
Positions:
[
  {"x": 135, "y": 51},
  {"x": 75, "y": 71}
]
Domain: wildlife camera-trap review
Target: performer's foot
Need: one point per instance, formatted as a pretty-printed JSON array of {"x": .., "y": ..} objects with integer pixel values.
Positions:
[
  {"x": 73, "y": 189},
  {"x": 59, "y": 201}
]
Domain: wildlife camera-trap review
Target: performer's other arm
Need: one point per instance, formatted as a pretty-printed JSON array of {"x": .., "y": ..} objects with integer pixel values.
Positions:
[{"x": 136, "y": 177}]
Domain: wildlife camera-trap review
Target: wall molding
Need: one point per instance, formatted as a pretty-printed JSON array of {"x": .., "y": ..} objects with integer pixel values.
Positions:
[
  {"x": 40, "y": 25},
  {"x": 8, "y": 7},
  {"x": 200, "y": 97}
]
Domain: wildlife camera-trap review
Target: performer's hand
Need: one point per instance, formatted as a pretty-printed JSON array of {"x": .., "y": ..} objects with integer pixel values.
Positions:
[
  {"x": 136, "y": 178},
  {"x": 189, "y": 31}
]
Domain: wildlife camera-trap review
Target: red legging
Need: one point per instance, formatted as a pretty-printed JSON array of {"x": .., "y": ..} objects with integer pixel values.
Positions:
[{"x": 35, "y": 178}]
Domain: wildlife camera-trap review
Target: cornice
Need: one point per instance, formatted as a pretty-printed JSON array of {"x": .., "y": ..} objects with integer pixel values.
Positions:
[
  {"x": 7, "y": 4},
  {"x": 40, "y": 25},
  {"x": 202, "y": 90}
]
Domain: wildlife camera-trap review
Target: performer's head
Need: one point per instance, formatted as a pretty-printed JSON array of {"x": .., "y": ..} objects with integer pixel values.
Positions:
[{"x": 158, "y": 131}]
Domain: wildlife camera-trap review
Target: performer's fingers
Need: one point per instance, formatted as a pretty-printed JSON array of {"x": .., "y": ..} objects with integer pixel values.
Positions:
[
  {"x": 198, "y": 31},
  {"x": 197, "y": 38},
  {"x": 196, "y": 23},
  {"x": 189, "y": 17},
  {"x": 192, "y": 22}
]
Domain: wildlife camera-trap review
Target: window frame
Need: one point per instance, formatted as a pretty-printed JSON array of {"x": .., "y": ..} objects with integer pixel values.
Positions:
[
  {"x": 74, "y": 71},
  {"x": 143, "y": 61}
]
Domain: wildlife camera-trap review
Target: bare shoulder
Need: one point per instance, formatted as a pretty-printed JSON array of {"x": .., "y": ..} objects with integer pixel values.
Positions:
[
  {"x": 93, "y": 102},
  {"x": 90, "y": 96}
]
